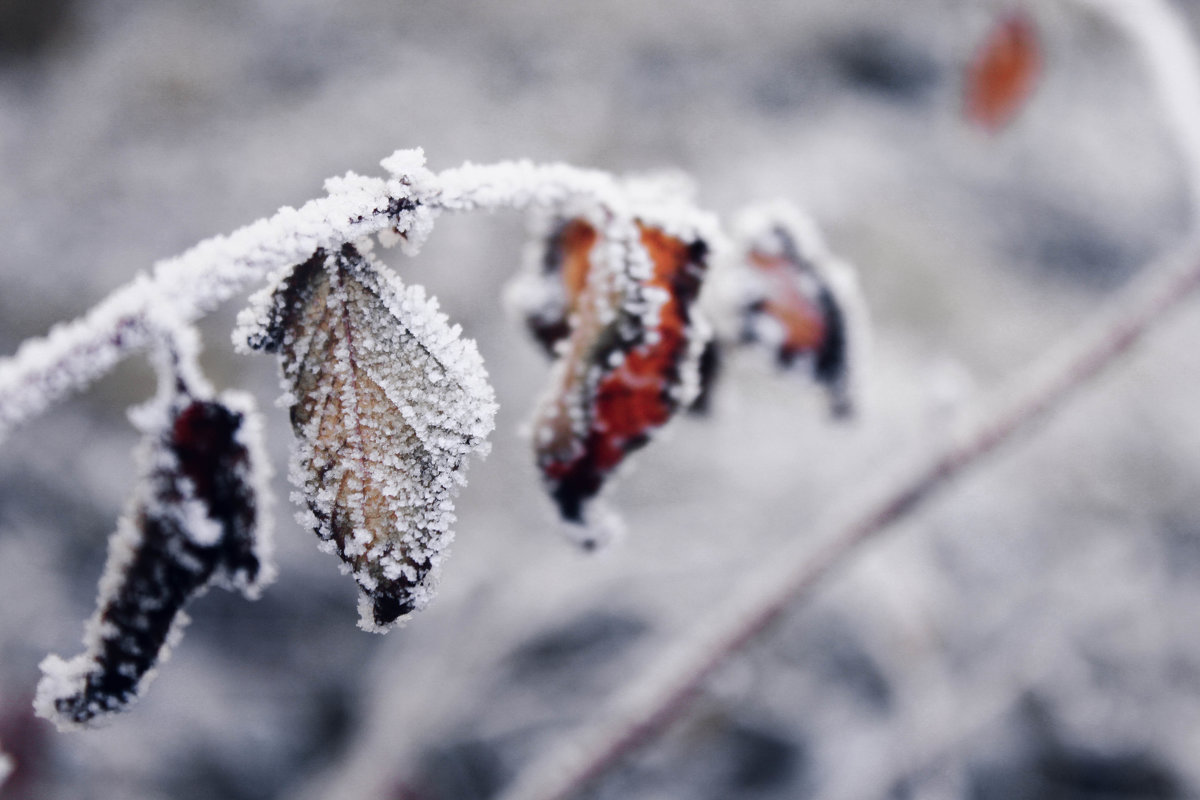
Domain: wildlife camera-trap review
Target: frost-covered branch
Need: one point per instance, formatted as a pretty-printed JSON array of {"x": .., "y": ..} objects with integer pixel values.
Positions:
[{"x": 400, "y": 208}]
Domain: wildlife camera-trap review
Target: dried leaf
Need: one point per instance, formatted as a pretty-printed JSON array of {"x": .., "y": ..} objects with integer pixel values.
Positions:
[
  {"x": 629, "y": 359},
  {"x": 387, "y": 403},
  {"x": 1002, "y": 74},
  {"x": 194, "y": 521},
  {"x": 797, "y": 300}
]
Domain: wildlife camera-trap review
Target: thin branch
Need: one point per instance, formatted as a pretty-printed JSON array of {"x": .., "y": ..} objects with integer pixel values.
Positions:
[
  {"x": 184, "y": 288},
  {"x": 665, "y": 691},
  {"x": 180, "y": 290}
]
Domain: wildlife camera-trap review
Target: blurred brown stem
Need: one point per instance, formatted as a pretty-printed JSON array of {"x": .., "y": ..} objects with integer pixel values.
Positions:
[{"x": 665, "y": 691}]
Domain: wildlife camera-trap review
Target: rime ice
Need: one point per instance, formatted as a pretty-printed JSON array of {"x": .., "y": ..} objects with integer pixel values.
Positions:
[
  {"x": 387, "y": 403},
  {"x": 195, "y": 520},
  {"x": 611, "y": 297}
]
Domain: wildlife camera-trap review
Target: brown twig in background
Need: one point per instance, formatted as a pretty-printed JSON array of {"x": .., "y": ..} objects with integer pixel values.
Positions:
[{"x": 666, "y": 691}]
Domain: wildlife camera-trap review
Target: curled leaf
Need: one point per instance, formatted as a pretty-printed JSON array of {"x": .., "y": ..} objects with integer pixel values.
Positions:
[
  {"x": 797, "y": 300},
  {"x": 1001, "y": 76},
  {"x": 621, "y": 323},
  {"x": 194, "y": 521},
  {"x": 387, "y": 403}
]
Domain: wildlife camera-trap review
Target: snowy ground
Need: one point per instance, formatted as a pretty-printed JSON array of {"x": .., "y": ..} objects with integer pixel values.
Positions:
[{"x": 1031, "y": 634}]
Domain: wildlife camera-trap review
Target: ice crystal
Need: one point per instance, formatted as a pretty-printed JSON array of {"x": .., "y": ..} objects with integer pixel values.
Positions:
[{"x": 387, "y": 403}]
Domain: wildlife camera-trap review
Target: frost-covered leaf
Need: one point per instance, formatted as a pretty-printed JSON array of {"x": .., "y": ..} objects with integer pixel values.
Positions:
[
  {"x": 797, "y": 300},
  {"x": 617, "y": 310},
  {"x": 194, "y": 521},
  {"x": 1002, "y": 73},
  {"x": 387, "y": 403}
]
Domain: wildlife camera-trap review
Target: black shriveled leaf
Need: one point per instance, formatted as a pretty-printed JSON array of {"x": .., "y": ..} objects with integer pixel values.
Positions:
[
  {"x": 387, "y": 403},
  {"x": 194, "y": 522}
]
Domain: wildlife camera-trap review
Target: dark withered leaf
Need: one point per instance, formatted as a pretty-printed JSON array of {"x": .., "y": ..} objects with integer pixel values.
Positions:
[{"x": 194, "y": 521}]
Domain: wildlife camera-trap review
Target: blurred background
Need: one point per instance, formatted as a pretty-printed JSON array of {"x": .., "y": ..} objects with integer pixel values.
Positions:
[{"x": 1031, "y": 634}]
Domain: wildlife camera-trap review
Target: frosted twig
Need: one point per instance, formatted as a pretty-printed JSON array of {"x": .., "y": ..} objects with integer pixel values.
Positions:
[
  {"x": 664, "y": 692},
  {"x": 181, "y": 290}
]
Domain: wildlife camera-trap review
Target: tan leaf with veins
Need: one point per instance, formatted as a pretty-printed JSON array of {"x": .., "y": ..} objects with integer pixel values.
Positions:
[{"x": 387, "y": 402}]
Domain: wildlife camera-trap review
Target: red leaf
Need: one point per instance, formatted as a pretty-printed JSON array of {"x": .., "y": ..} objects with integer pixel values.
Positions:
[
  {"x": 618, "y": 380},
  {"x": 1002, "y": 74},
  {"x": 800, "y": 302}
]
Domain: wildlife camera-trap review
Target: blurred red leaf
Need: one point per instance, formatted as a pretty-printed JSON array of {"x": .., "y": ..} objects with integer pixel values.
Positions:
[{"x": 1001, "y": 76}]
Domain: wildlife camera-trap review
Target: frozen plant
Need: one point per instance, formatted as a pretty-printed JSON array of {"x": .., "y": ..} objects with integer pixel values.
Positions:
[{"x": 388, "y": 401}]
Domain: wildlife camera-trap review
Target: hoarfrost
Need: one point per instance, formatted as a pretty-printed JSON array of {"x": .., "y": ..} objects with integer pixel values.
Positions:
[
  {"x": 611, "y": 296},
  {"x": 196, "y": 518},
  {"x": 387, "y": 403},
  {"x": 184, "y": 288}
]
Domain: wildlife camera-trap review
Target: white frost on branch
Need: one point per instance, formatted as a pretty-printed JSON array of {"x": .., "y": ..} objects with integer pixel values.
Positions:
[
  {"x": 400, "y": 209},
  {"x": 184, "y": 288}
]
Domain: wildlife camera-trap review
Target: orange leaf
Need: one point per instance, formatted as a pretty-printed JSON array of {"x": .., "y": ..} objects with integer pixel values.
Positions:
[
  {"x": 618, "y": 379},
  {"x": 1002, "y": 74}
]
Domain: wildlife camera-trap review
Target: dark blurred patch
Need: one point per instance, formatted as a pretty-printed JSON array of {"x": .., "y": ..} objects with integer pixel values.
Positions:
[
  {"x": 329, "y": 720},
  {"x": 27, "y": 740},
  {"x": 467, "y": 769},
  {"x": 1066, "y": 245},
  {"x": 760, "y": 760},
  {"x": 29, "y": 27},
  {"x": 294, "y": 625},
  {"x": 1049, "y": 767},
  {"x": 206, "y": 775},
  {"x": 834, "y": 652},
  {"x": 789, "y": 83},
  {"x": 316, "y": 737},
  {"x": 588, "y": 642},
  {"x": 1077, "y": 775},
  {"x": 1181, "y": 545},
  {"x": 81, "y": 528},
  {"x": 882, "y": 64}
]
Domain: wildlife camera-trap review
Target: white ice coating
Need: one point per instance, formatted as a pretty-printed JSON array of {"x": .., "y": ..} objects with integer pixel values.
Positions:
[
  {"x": 618, "y": 288},
  {"x": 395, "y": 401},
  {"x": 6, "y": 767},
  {"x": 400, "y": 209},
  {"x": 64, "y": 678}
]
